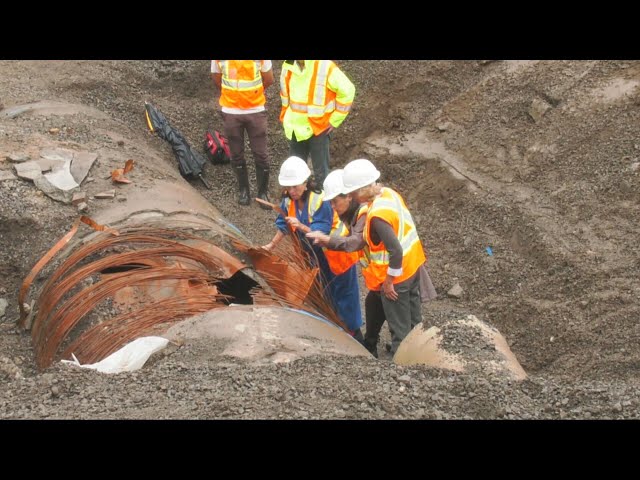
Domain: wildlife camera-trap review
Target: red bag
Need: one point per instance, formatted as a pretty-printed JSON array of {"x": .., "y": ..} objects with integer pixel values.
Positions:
[{"x": 216, "y": 148}]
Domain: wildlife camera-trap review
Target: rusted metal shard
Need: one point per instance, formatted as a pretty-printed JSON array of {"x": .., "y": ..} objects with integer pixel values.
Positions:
[
  {"x": 288, "y": 272},
  {"x": 299, "y": 282},
  {"x": 128, "y": 166},
  {"x": 96, "y": 226},
  {"x": 275, "y": 207},
  {"x": 118, "y": 174},
  {"x": 38, "y": 266}
]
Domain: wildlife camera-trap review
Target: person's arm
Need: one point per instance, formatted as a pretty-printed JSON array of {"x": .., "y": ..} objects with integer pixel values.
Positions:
[
  {"x": 217, "y": 80},
  {"x": 284, "y": 94},
  {"x": 216, "y": 74},
  {"x": 276, "y": 239},
  {"x": 267, "y": 74},
  {"x": 345, "y": 93},
  {"x": 352, "y": 242},
  {"x": 392, "y": 245},
  {"x": 319, "y": 238},
  {"x": 281, "y": 225}
]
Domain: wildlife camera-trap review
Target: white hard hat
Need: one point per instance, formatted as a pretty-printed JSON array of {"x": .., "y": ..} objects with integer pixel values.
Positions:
[
  {"x": 359, "y": 173},
  {"x": 294, "y": 171},
  {"x": 333, "y": 185}
]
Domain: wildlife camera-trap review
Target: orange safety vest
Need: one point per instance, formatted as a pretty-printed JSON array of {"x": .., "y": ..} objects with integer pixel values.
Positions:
[
  {"x": 321, "y": 102},
  {"x": 339, "y": 261},
  {"x": 390, "y": 207},
  {"x": 241, "y": 84},
  {"x": 314, "y": 202}
]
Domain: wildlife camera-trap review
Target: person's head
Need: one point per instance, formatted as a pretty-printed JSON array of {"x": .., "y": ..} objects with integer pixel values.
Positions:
[
  {"x": 334, "y": 192},
  {"x": 294, "y": 175},
  {"x": 359, "y": 178}
]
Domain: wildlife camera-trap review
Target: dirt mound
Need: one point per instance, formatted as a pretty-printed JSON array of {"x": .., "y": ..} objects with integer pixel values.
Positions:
[{"x": 538, "y": 160}]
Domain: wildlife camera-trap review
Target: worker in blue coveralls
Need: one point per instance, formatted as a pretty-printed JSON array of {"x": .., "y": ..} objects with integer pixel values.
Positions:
[{"x": 306, "y": 211}]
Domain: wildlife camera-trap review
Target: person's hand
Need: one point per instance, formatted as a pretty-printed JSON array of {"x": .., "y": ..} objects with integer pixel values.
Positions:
[
  {"x": 329, "y": 130},
  {"x": 388, "y": 290},
  {"x": 318, "y": 238},
  {"x": 293, "y": 222}
]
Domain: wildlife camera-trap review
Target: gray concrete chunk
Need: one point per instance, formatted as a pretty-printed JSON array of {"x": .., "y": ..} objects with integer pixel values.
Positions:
[
  {"x": 81, "y": 164},
  {"x": 538, "y": 108},
  {"x": 53, "y": 191},
  {"x": 28, "y": 170},
  {"x": 7, "y": 175},
  {"x": 78, "y": 197},
  {"x": 58, "y": 185},
  {"x": 107, "y": 194},
  {"x": 49, "y": 165},
  {"x": 18, "y": 157},
  {"x": 455, "y": 291},
  {"x": 57, "y": 154}
]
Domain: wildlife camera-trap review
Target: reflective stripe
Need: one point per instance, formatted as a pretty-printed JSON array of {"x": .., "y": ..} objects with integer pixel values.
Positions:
[
  {"x": 364, "y": 259},
  {"x": 314, "y": 202},
  {"x": 319, "y": 110},
  {"x": 284, "y": 86},
  {"x": 321, "y": 82},
  {"x": 339, "y": 229},
  {"x": 298, "y": 107},
  {"x": 379, "y": 257},
  {"x": 407, "y": 241},
  {"x": 343, "y": 108},
  {"x": 241, "y": 84}
]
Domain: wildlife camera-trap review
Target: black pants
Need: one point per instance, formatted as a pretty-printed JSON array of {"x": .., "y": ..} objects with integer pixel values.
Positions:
[
  {"x": 318, "y": 148},
  {"x": 374, "y": 319},
  {"x": 402, "y": 314}
]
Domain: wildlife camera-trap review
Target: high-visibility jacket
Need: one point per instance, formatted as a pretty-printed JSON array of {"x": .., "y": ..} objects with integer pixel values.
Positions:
[
  {"x": 315, "y": 201},
  {"x": 241, "y": 84},
  {"x": 390, "y": 207},
  {"x": 314, "y": 98},
  {"x": 340, "y": 261}
]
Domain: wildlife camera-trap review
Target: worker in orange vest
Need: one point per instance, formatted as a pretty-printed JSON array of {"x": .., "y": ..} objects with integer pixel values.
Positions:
[
  {"x": 391, "y": 255},
  {"x": 346, "y": 211},
  {"x": 307, "y": 210},
  {"x": 242, "y": 84}
]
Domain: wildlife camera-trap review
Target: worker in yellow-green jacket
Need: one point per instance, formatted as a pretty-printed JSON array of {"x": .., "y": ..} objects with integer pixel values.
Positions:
[{"x": 316, "y": 98}]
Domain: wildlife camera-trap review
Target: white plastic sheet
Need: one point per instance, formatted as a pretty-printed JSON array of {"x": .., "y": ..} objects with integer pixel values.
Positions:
[{"x": 129, "y": 358}]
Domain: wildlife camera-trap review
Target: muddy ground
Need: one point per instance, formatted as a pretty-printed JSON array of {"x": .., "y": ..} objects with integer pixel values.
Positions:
[{"x": 538, "y": 160}]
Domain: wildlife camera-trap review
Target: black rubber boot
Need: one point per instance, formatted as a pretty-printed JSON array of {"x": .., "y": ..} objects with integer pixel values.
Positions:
[
  {"x": 262, "y": 179},
  {"x": 243, "y": 184},
  {"x": 372, "y": 346}
]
